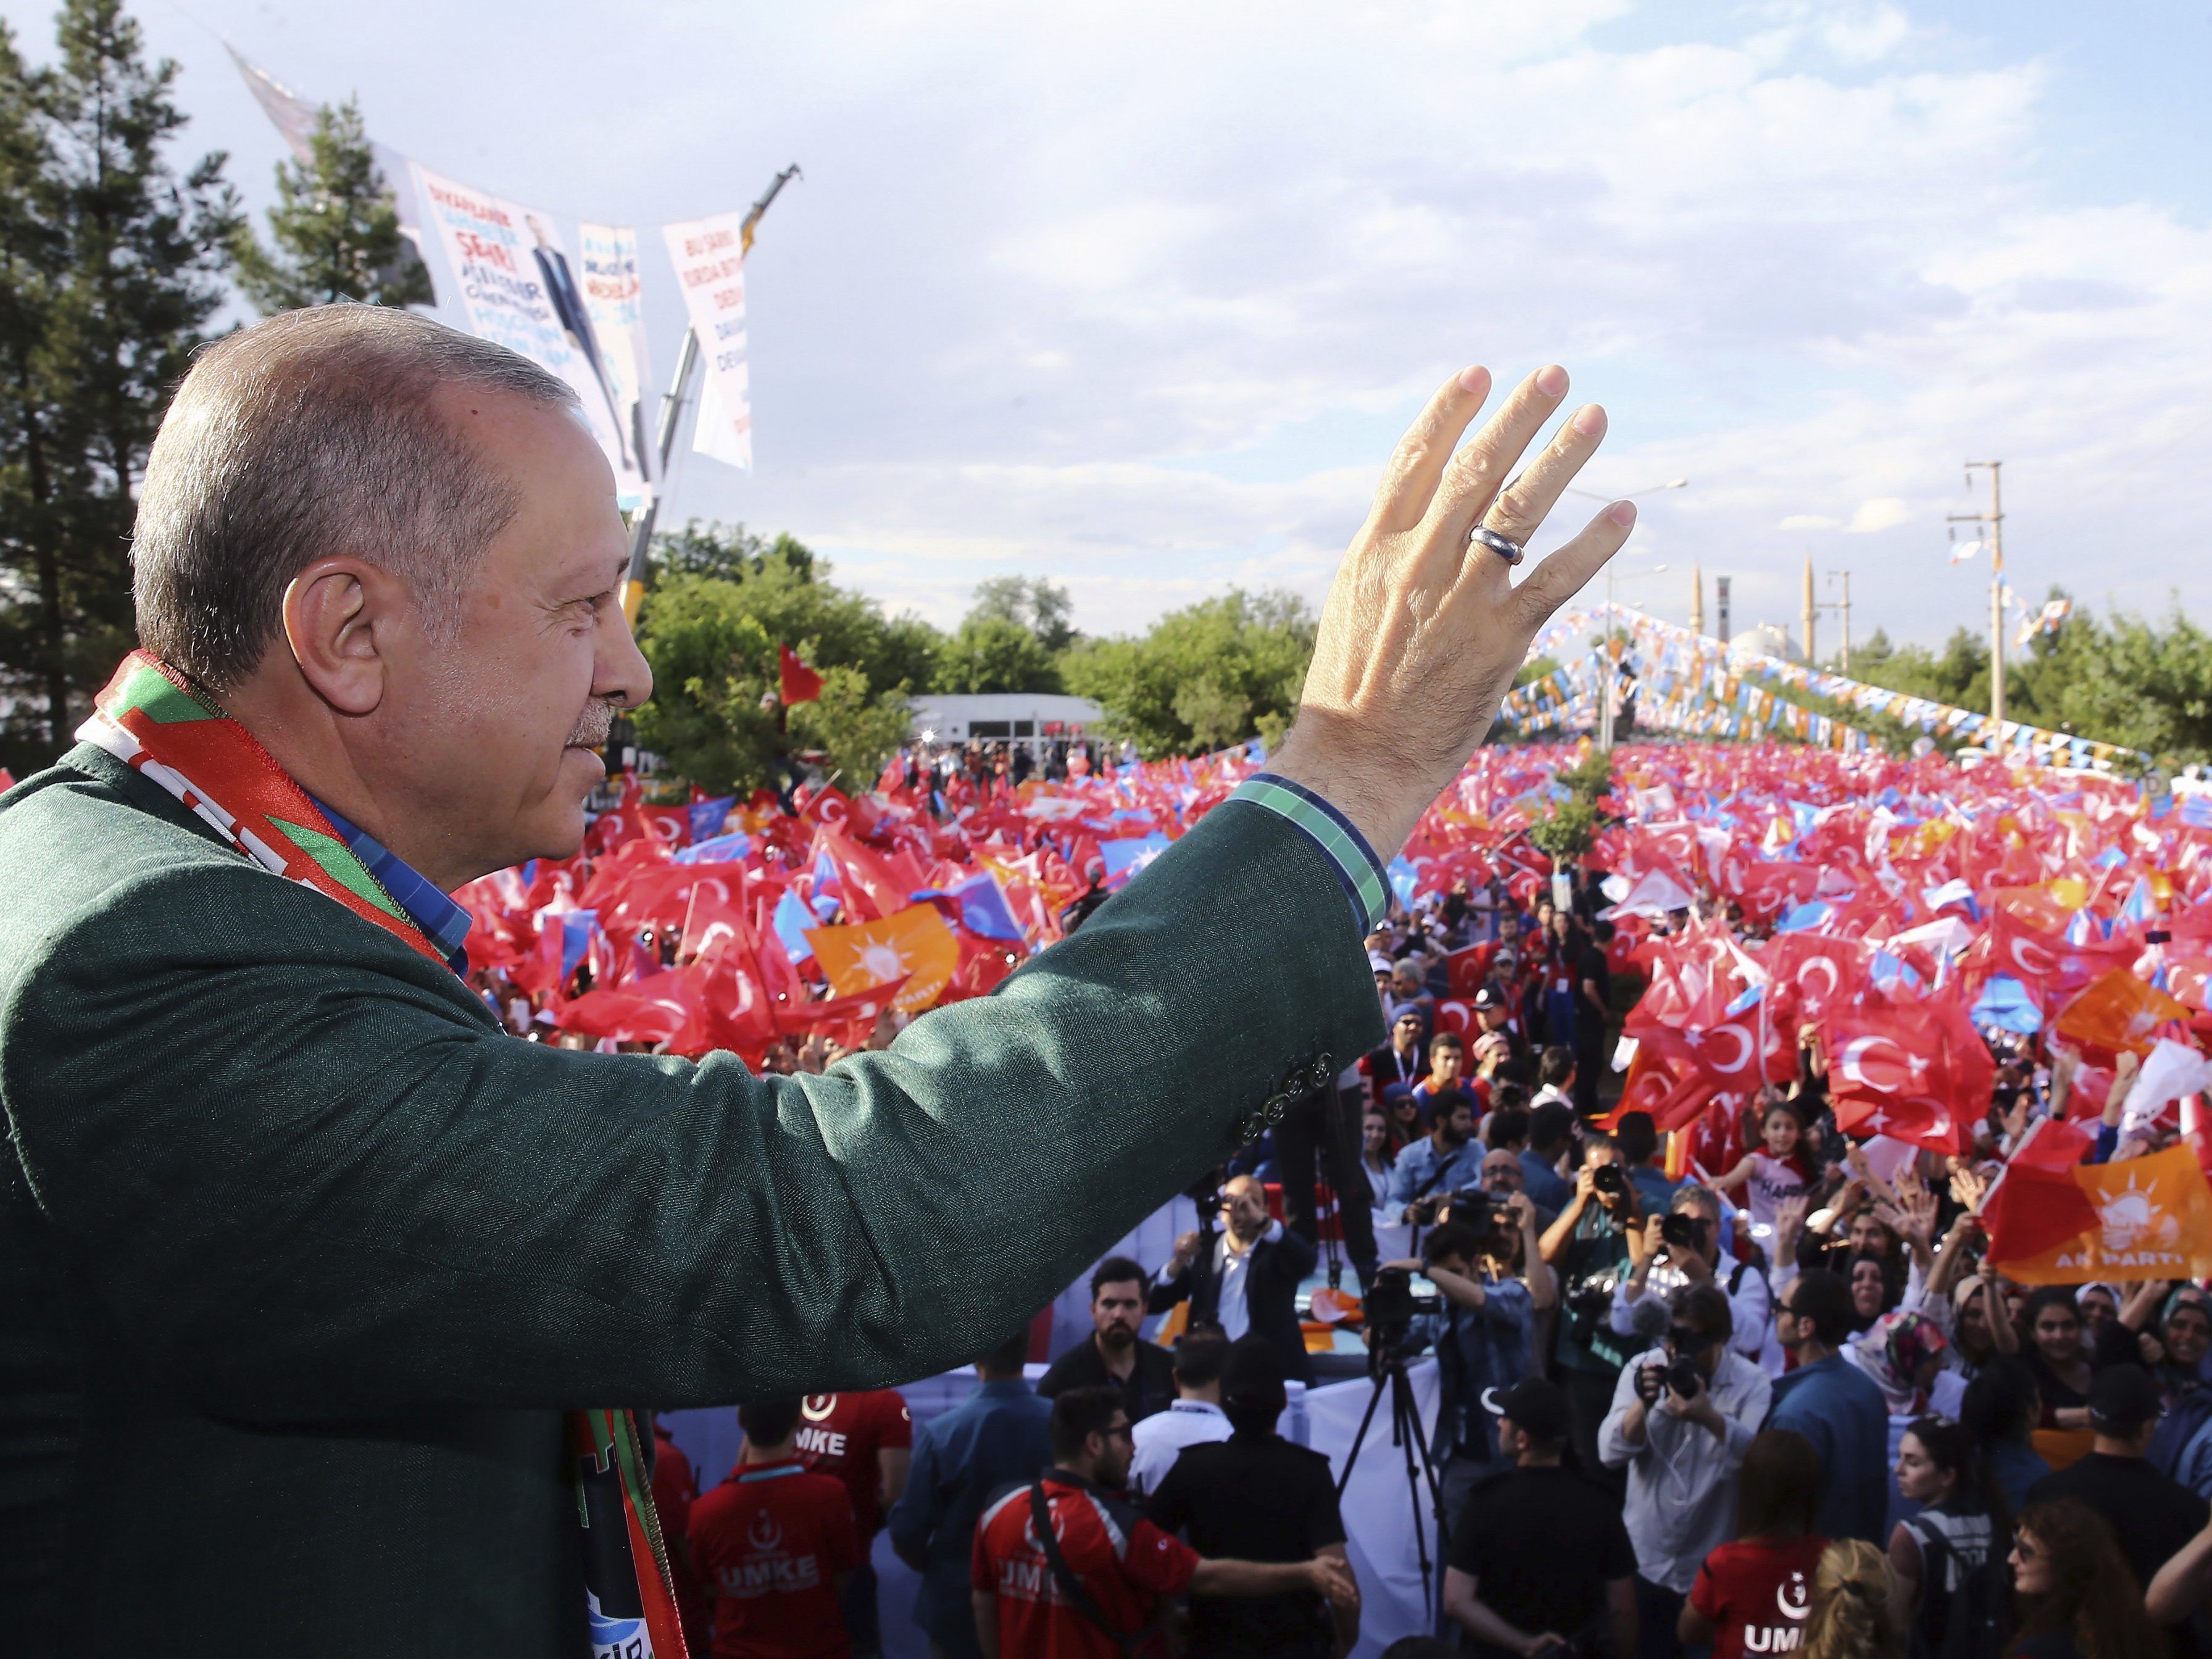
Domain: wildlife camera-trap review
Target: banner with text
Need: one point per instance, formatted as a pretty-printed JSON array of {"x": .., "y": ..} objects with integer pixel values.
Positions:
[
  {"x": 708, "y": 255},
  {"x": 520, "y": 291},
  {"x": 613, "y": 301}
]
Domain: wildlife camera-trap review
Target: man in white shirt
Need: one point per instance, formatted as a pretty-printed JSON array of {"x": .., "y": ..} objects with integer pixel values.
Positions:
[
  {"x": 1663, "y": 1268},
  {"x": 1196, "y": 1415},
  {"x": 1682, "y": 1415},
  {"x": 1249, "y": 1281}
]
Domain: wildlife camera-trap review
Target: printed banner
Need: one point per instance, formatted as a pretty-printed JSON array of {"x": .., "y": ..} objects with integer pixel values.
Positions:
[
  {"x": 520, "y": 291},
  {"x": 2153, "y": 1221},
  {"x": 710, "y": 268},
  {"x": 614, "y": 304}
]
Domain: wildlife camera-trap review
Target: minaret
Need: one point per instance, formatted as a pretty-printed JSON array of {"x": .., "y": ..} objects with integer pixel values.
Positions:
[
  {"x": 1811, "y": 654},
  {"x": 1697, "y": 599}
]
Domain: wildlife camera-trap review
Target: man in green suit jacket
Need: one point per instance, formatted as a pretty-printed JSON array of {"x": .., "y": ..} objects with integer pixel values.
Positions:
[{"x": 303, "y": 1260}]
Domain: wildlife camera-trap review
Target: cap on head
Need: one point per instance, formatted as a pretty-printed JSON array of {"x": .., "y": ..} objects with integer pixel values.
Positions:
[
  {"x": 1536, "y": 1408},
  {"x": 2122, "y": 1399}
]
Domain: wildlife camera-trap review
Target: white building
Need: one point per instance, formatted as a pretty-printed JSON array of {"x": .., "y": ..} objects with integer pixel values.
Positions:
[{"x": 994, "y": 716}]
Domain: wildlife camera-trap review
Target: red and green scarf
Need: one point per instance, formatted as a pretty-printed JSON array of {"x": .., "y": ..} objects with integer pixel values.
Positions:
[{"x": 152, "y": 719}]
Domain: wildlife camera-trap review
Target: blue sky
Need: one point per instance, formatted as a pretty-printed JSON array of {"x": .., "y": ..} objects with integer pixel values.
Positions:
[{"x": 1138, "y": 296}]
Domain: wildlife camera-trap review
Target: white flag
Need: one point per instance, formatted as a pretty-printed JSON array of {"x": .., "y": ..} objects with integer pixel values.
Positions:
[
  {"x": 708, "y": 255},
  {"x": 613, "y": 300},
  {"x": 521, "y": 292},
  {"x": 1962, "y": 551},
  {"x": 294, "y": 118}
]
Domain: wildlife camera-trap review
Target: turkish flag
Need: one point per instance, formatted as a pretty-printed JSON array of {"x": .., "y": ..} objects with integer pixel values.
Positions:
[
  {"x": 875, "y": 884},
  {"x": 800, "y": 683},
  {"x": 846, "y": 1021},
  {"x": 1469, "y": 968},
  {"x": 1916, "y": 1071},
  {"x": 1813, "y": 975}
]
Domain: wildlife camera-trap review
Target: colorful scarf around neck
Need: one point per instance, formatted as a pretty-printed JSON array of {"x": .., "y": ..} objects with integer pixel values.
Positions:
[{"x": 151, "y": 719}]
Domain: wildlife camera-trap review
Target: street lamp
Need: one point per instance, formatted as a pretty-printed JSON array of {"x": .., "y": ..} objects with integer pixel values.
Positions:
[{"x": 1605, "y": 667}]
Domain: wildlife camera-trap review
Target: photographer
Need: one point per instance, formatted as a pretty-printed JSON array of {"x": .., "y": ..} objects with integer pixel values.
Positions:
[
  {"x": 1446, "y": 1157},
  {"x": 1682, "y": 1416},
  {"x": 1249, "y": 1282},
  {"x": 1482, "y": 1329},
  {"x": 1683, "y": 1249},
  {"x": 1595, "y": 1244}
]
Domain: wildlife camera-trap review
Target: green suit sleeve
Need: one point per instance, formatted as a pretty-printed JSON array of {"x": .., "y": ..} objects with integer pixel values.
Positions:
[{"x": 299, "y": 1165}]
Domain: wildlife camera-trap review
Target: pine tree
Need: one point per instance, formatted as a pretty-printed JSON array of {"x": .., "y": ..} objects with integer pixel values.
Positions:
[
  {"x": 335, "y": 229},
  {"x": 135, "y": 266},
  {"x": 31, "y": 245}
]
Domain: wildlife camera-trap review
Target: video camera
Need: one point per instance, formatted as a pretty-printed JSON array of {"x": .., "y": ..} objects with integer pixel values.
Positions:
[{"x": 1389, "y": 1307}]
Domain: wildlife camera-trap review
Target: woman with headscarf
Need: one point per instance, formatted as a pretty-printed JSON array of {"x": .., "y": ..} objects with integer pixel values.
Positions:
[
  {"x": 1902, "y": 1353},
  {"x": 2052, "y": 1323}
]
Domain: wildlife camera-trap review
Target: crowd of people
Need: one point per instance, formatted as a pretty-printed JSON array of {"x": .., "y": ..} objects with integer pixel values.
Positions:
[{"x": 1725, "y": 1364}]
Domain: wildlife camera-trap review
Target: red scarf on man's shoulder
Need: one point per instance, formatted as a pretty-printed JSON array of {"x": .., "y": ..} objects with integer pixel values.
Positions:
[{"x": 151, "y": 719}]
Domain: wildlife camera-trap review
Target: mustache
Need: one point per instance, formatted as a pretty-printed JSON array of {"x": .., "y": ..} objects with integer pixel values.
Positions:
[{"x": 594, "y": 723}]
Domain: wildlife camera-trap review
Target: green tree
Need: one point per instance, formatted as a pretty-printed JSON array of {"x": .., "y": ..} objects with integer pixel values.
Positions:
[
  {"x": 119, "y": 264},
  {"x": 1203, "y": 677},
  {"x": 995, "y": 653},
  {"x": 720, "y": 602},
  {"x": 1031, "y": 602},
  {"x": 334, "y": 229}
]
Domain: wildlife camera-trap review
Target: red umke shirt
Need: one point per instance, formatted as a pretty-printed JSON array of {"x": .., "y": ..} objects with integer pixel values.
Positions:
[
  {"x": 840, "y": 1434},
  {"x": 1123, "y": 1561},
  {"x": 1759, "y": 1588},
  {"x": 769, "y": 1544}
]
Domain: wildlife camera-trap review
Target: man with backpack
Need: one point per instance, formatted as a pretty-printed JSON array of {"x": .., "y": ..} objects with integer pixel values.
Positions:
[{"x": 1063, "y": 1569}]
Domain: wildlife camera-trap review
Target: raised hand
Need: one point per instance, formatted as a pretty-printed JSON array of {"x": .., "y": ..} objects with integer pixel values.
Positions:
[{"x": 1423, "y": 631}]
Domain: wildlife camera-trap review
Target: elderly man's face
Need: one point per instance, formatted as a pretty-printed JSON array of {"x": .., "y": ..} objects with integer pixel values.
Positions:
[{"x": 500, "y": 725}]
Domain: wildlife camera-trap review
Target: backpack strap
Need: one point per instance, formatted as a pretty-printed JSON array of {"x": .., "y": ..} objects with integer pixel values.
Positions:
[{"x": 1071, "y": 1587}]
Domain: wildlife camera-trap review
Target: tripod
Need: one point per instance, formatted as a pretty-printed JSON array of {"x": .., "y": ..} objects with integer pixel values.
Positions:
[{"x": 1387, "y": 1365}]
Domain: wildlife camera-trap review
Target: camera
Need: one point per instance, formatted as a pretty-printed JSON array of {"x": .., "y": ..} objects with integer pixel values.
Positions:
[
  {"x": 1389, "y": 1309},
  {"x": 1609, "y": 1179},
  {"x": 1683, "y": 1232},
  {"x": 1683, "y": 1377}
]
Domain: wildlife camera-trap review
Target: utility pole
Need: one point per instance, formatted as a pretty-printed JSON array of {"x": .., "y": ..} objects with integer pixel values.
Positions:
[
  {"x": 1993, "y": 522},
  {"x": 1843, "y": 609},
  {"x": 1812, "y": 612},
  {"x": 672, "y": 409}
]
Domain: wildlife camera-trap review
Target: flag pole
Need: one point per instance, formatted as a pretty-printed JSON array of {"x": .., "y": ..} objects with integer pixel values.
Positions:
[{"x": 672, "y": 409}]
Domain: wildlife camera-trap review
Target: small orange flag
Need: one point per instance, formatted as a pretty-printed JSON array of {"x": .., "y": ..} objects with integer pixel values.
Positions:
[
  {"x": 915, "y": 943},
  {"x": 2153, "y": 1221},
  {"x": 2118, "y": 1011}
]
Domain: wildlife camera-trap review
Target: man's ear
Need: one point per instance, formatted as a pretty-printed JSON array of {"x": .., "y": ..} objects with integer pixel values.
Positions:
[{"x": 339, "y": 612}]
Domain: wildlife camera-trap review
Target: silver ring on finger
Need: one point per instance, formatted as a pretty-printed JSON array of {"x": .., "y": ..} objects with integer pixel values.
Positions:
[{"x": 1504, "y": 546}]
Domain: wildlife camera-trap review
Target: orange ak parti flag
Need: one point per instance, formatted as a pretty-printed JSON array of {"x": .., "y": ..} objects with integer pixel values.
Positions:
[
  {"x": 2154, "y": 1220},
  {"x": 915, "y": 944},
  {"x": 2118, "y": 1011}
]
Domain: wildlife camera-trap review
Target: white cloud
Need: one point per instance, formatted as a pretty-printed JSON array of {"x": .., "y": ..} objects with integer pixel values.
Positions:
[{"x": 1137, "y": 296}]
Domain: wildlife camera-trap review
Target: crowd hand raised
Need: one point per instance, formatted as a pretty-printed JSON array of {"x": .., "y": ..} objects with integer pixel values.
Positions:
[{"x": 1422, "y": 632}]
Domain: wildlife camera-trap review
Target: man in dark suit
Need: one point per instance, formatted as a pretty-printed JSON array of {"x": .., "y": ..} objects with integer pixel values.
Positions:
[
  {"x": 1249, "y": 1282},
  {"x": 321, "y": 1289},
  {"x": 1114, "y": 1356}
]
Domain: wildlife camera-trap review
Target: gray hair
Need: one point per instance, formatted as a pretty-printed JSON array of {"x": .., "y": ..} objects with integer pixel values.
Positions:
[{"x": 311, "y": 434}]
